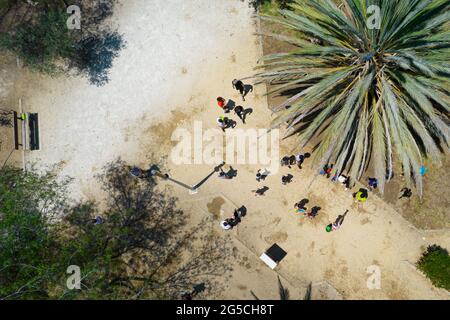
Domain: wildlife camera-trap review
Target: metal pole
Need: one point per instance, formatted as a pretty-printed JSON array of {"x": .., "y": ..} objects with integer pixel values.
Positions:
[
  {"x": 166, "y": 177},
  {"x": 154, "y": 171}
]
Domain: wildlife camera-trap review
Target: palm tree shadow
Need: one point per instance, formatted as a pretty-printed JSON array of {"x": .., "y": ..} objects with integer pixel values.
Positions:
[{"x": 247, "y": 89}]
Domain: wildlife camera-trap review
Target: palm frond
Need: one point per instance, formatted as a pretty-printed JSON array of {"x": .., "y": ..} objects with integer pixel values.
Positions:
[{"x": 370, "y": 98}]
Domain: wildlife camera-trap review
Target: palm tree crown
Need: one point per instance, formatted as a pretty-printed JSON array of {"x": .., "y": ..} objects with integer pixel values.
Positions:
[{"x": 367, "y": 96}]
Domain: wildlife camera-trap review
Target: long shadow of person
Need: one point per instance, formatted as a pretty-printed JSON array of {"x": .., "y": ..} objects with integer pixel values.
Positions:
[
  {"x": 247, "y": 88},
  {"x": 230, "y": 105},
  {"x": 246, "y": 112},
  {"x": 260, "y": 191},
  {"x": 314, "y": 211},
  {"x": 230, "y": 124}
]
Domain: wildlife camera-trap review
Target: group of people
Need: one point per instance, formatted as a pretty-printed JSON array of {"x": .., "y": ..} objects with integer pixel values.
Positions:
[
  {"x": 230, "y": 174},
  {"x": 362, "y": 194},
  {"x": 225, "y": 122},
  {"x": 294, "y": 160},
  {"x": 300, "y": 208},
  {"x": 229, "y": 223},
  {"x": 289, "y": 161}
]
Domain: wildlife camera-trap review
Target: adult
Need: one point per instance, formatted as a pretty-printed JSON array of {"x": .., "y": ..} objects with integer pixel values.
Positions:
[
  {"x": 98, "y": 220},
  {"x": 327, "y": 170},
  {"x": 224, "y": 123},
  {"x": 285, "y": 161},
  {"x": 300, "y": 206},
  {"x": 361, "y": 195},
  {"x": 223, "y": 174},
  {"x": 239, "y": 111},
  {"x": 221, "y": 102},
  {"x": 314, "y": 212},
  {"x": 373, "y": 183},
  {"x": 286, "y": 179},
  {"x": 345, "y": 180},
  {"x": 299, "y": 159},
  {"x": 339, "y": 220},
  {"x": 261, "y": 175},
  {"x": 239, "y": 86}
]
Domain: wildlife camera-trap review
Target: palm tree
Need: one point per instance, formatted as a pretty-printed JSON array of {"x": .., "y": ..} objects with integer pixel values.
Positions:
[{"x": 365, "y": 97}]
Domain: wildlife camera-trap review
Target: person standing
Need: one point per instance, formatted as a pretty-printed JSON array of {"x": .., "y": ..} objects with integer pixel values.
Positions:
[
  {"x": 261, "y": 175},
  {"x": 286, "y": 179},
  {"x": 239, "y": 86},
  {"x": 239, "y": 111},
  {"x": 299, "y": 159}
]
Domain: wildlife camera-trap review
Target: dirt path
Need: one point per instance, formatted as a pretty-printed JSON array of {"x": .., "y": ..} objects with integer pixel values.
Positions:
[{"x": 180, "y": 56}]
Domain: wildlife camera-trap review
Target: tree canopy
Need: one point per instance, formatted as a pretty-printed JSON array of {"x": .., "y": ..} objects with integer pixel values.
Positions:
[
  {"x": 38, "y": 34},
  {"x": 142, "y": 249}
]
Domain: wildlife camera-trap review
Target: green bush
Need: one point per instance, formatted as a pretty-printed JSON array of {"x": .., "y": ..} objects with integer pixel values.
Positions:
[{"x": 435, "y": 263}]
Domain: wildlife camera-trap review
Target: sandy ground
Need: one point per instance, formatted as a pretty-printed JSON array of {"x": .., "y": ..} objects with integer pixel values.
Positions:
[{"x": 180, "y": 56}]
